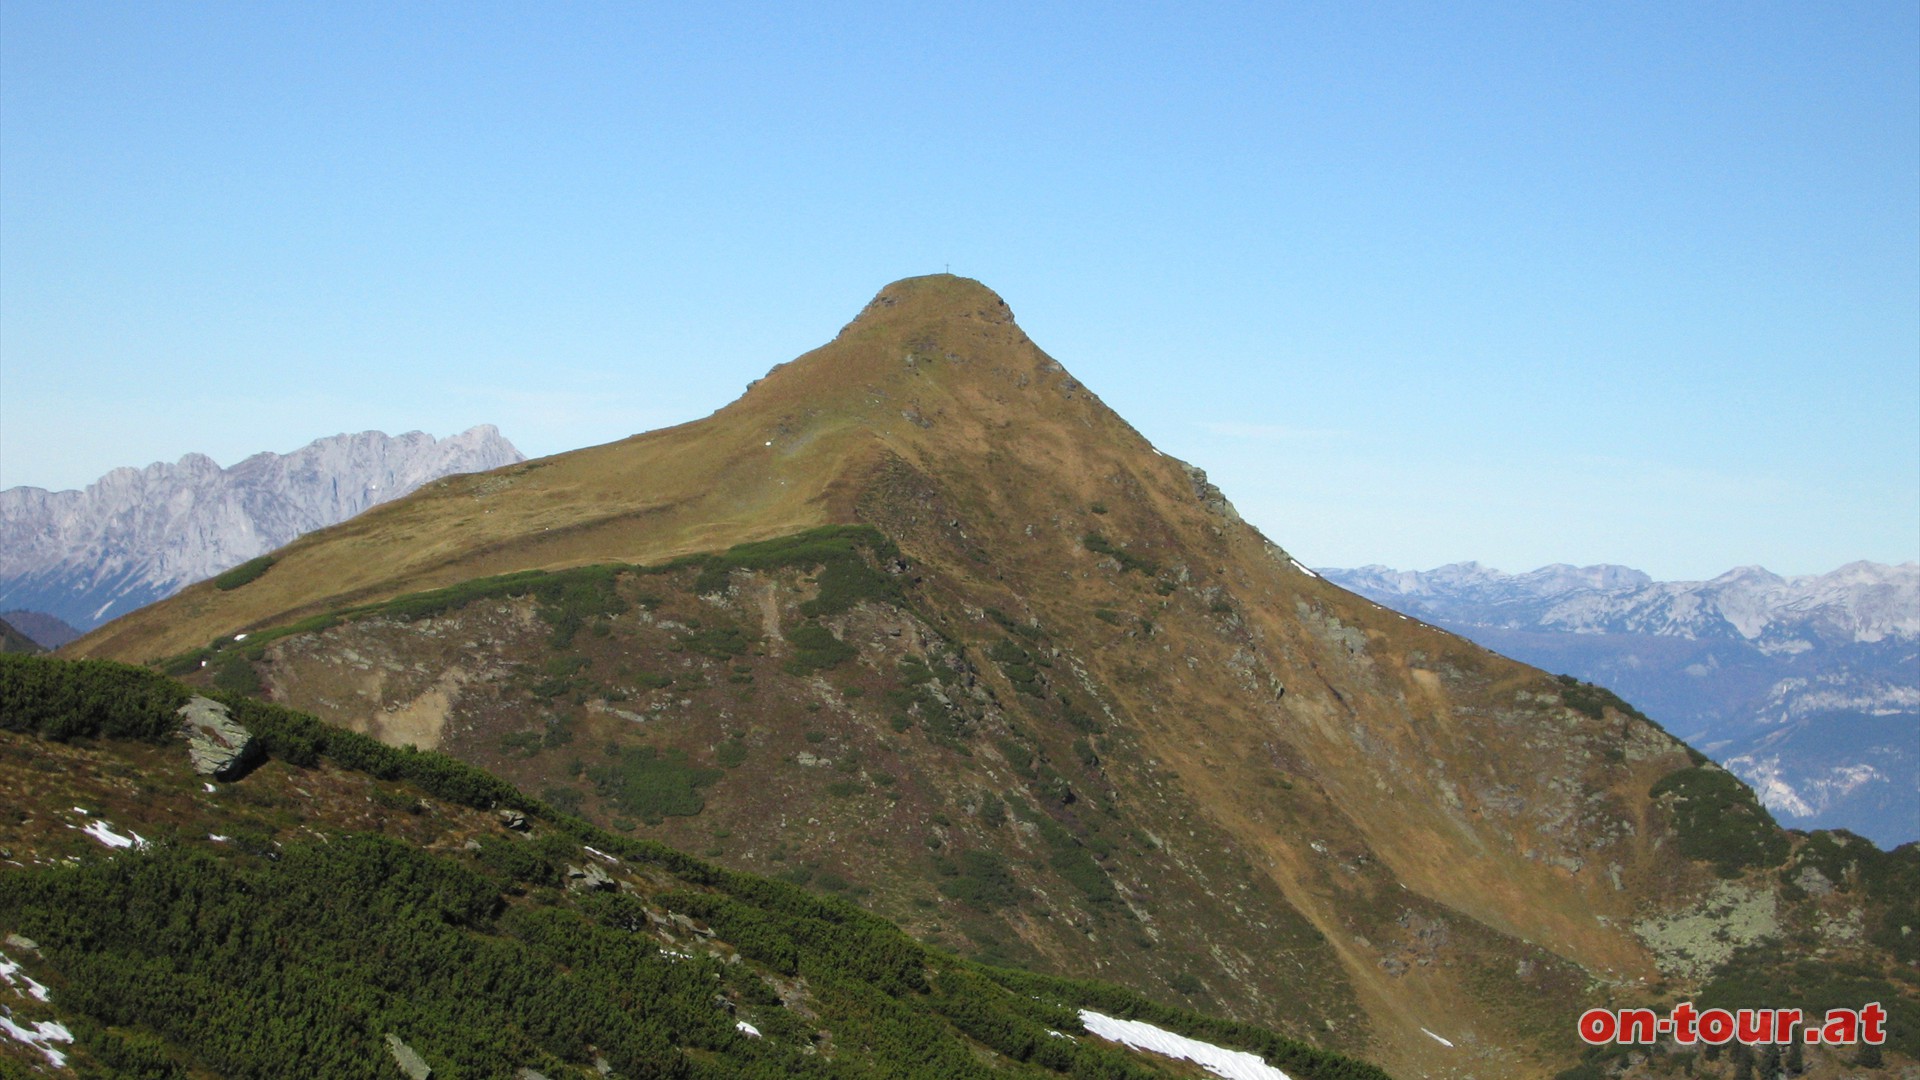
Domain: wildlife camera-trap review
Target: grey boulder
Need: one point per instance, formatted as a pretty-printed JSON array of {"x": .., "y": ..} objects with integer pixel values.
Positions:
[{"x": 219, "y": 747}]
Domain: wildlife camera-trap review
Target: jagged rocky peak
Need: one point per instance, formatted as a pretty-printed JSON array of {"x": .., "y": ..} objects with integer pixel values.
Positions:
[{"x": 137, "y": 535}]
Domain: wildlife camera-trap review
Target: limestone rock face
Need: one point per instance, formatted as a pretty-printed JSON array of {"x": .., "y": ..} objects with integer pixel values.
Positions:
[
  {"x": 220, "y": 748},
  {"x": 138, "y": 535}
]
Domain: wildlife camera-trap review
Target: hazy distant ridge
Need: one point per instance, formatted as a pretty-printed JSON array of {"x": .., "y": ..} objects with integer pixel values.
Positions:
[
  {"x": 137, "y": 535},
  {"x": 1808, "y": 687},
  {"x": 1862, "y": 601}
]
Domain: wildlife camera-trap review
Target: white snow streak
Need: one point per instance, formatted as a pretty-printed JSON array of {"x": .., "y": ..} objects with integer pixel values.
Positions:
[
  {"x": 1298, "y": 565},
  {"x": 8, "y": 971},
  {"x": 1438, "y": 1039},
  {"x": 1218, "y": 1060},
  {"x": 104, "y": 833},
  {"x": 42, "y": 1033},
  {"x": 746, "y": 1028}
]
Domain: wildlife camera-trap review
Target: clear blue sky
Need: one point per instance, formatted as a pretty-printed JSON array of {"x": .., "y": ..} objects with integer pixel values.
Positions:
[{"x": 1525, "y": 283}]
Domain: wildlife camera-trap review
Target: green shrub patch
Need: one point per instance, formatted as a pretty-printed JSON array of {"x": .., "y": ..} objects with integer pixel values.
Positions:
[
  {"x": 1128, "y": 561},
  {"x": 845, "y": 579},
  {"x": 243, "y": 574},
  {"x": 816, "y": 649},
  {"x": 1717, "y": 819},
  {"x": 653, "y": 786}
]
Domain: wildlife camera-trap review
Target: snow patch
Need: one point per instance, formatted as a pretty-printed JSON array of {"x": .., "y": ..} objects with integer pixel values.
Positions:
[
  {"x": 101, "y": 831},
  {"x": 1437, "y": 1039},
  {"x": 1815, "y": 790},
  {"x": 10, "y": 971},
  {"x": 1218, "y": 1060},
  {"x": 42, "y": 1033},
  {"x": 747, "y": 1029},
  {"x": 1300, "y": 566},
  {"x": 211, "y": 789}
]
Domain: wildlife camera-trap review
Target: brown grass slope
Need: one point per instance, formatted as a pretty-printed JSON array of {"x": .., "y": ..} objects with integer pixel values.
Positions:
[{"x": 1466, "y": 852}]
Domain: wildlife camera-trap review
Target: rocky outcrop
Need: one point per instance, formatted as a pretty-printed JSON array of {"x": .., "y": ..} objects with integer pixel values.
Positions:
[
  {"x": 410, "y": 1062},
  {"x": 139, "y": 535},
  {"x": 219, "y": 746},
  {"x": 589, "y": 878},
  {"x": 1209, "y": 494}
]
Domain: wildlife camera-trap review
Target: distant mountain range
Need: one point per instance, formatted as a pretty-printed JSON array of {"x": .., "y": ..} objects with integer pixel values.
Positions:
[
  {"x": 44, "y": 630},
  {"x": 139, "y": 535},
  {"x": 1807, "y": 687},
  {"x": 13, "y": 639}
]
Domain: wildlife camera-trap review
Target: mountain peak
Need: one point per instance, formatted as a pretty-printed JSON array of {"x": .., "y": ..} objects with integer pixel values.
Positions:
[
  {"x": 925, "y": 555},
  {"x": 934, "y": 296}
]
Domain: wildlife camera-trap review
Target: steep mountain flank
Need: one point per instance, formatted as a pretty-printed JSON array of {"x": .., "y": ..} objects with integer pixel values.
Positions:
[
  {"x": 138, "y": 535},
  {"x": 1808, "y": 687},
  {"x": 920, "y": 620},
  {"x": 341, "y": 908}
]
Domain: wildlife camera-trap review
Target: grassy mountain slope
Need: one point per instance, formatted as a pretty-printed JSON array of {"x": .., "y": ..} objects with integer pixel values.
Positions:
[
  {"x": 285, "y": 924},
  {"x": 1036, "y": 693}
]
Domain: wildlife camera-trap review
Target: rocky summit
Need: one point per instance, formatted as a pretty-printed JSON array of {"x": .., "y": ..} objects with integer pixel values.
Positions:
[{"x": 919, "y": 621}]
